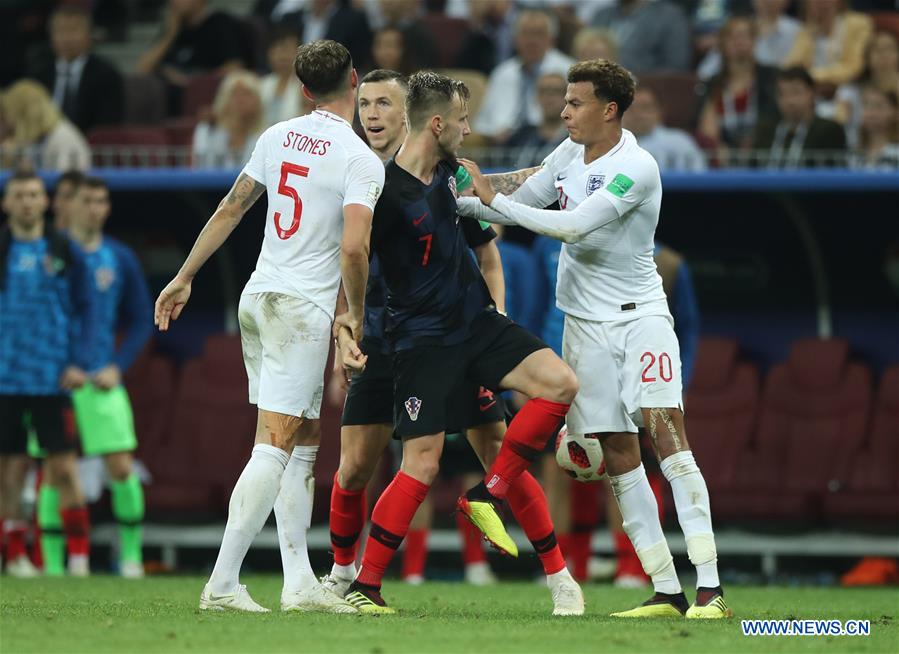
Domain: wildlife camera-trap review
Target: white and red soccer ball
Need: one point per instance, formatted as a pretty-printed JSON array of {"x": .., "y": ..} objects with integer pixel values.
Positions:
[{"x": 580, "y": 455}]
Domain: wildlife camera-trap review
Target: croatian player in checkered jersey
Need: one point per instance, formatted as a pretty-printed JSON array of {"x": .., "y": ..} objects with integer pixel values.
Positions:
[
  {"x": 322, "y": 183},
  {"x": 619, "y": 336}
]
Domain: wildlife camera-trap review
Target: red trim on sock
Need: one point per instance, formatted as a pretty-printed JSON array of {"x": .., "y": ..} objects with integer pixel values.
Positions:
[
  {"x": 533, "y": 426},
  {"x": 472, "y": 547},
  {"x": 347, "y": 518},
  {"x": 393, "y": 512},
  {"x": 528, "y": 504},
  {"x": 415, "y": 553},
  {"x": 77, "y": 526}
]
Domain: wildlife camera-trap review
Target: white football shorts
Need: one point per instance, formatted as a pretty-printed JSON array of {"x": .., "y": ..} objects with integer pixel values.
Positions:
[
  {"x": 285, "y": 342},
  {"x": 622, "y": 367}
]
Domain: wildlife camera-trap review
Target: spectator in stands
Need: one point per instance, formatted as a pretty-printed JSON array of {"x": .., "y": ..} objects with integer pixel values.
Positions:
[
  {"x": 733, "y": 101},
  {"x": 652, "y": 36},
  {"x": 282, "y": 95},
  {"x": 194, "y": 40},
  {"x": 491, "y": 39},
  {"x": 536, "y": 143},
  {"x": 775, "y": 35},
  {"x": 38, "y": 132},
  {"x": 672, "y": 148},
  {"x": 511, "y": 99},
  {"x": 831, "y": 45},
  {"x": 321, "y": 19},
  {"x": 403, "y": 15},
  {"x": 800, "y": 138},
  {"x": 881, "y": 70},
  {"x": 594, "y": 43},
  {"x": 878, "y": 145},
  {"x": 238, "y": 120},
  {"x": 87, "y": 88},
  {"x": 389, "y": 52}
]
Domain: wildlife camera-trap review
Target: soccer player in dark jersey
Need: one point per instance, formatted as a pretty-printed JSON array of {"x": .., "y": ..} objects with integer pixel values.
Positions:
[
  {"x": 444, "y": 329},
  {"x": 46, "y": 327}
]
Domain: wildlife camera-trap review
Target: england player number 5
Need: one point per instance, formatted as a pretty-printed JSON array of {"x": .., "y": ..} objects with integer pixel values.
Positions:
[{"x": 284, "y": 188}]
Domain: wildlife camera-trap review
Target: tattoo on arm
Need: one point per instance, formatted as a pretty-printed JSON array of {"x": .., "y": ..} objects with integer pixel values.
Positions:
[
  {"x": 244, "y": 193},
  {"x": 508, "y": 183}
]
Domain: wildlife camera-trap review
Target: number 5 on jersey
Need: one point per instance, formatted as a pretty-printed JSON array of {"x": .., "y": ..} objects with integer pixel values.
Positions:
[{"x": 284, "y": 188}]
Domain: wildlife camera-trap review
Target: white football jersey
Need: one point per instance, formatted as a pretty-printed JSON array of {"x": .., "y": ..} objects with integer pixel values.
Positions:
[
  {"x": 312, "y": 166},
  {"x": 610, "y": 274}
]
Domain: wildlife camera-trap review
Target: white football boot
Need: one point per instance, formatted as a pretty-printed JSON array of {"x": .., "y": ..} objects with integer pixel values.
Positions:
[
  {"x": 568, "y": 599},
  {"x": 132, "y": 570},
  {"x": 479, "y": 574},
  {"x": 315, "y": 598},
  {"x": 236, "y": 601},
  {"x": 79, "y": 565},
  {"x": 22, "y": 567},
  {"x": 336, "y": 583}
]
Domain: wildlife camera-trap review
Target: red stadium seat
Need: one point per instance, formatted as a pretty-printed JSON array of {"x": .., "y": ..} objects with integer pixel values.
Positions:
[
  {"x": 813, "y": 416},
  {"x": 721, "y": 408},
  {"x": 870, "y": 488},
  {"x": 151, "y": 384},
  {"x": 447, "y": 33},
  {"x": 200, "y": 93},
  {"x": 676, "y": 92},
  {"x": 128, "y": 146}
]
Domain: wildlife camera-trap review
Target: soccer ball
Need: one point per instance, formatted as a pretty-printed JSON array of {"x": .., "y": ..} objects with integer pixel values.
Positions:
[{"x": 580, "y": 455}]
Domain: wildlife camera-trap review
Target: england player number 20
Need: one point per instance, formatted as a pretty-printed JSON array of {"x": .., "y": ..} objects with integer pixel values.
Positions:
[
  {"x": 649, "y": 360},
  {"x": 284, "y": 188}
]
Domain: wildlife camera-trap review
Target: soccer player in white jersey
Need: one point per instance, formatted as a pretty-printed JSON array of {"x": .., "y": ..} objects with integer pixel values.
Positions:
[
  {"x": 619, "y": 335},
  {"x": 322, "y": 183}
]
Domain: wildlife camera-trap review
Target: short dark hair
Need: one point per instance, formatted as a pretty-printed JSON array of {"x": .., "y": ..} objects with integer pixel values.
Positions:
[
  {"x": 429, "y": 93},
  {"x": 385, "y": 75},
  {"x": 796, "y": 74},
  {"x": 280, "y": 33},
  {"x": 73, "y": 177},
  {"x": 611, "y": 82},
  {"x": 323, "y": 66},
  {"x": 92, "y": 183},
  {"x": 72, "y": 11},
  {"x": 24, "y": 174}
]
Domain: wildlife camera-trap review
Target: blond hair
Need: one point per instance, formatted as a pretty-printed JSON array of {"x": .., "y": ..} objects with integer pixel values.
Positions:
[
  {"x": 588, "y": 34},
  {"x": 29, "y": 110},
  {"x": 223, "y": 98}
]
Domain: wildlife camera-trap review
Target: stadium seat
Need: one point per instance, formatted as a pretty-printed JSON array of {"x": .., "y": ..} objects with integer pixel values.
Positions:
[
  {"x": 886, "y": 21},
  {"x": 721, "y": 408},
  {"x": 677, "y": 93},
  {"x": 145, "y": 98},
  {"x": 813, "y": 416},
  {"x": 447, "y": 33},
  {"x": 200, "y": 93},
  {"x": 128, "y": 146},
  {"x": 476, "y": 83},
  {"x": 870, "y": 487},
  {"x": 151, "y": 384}
]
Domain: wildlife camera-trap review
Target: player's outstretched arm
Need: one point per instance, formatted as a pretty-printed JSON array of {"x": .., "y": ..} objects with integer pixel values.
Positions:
[
  {"x": 508, "y": 183},
  {"x": 354, "y": 251},
  {"x": 229, "y": 213}
]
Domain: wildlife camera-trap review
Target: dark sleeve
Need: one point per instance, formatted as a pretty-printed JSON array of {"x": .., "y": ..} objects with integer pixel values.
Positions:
[
  {"x": 764, "y": 135},
  {"x": 83, "y": 326},
  {"x": 476, "y": 233},
  {"x": 135, "y": 310},
  {"x": 686, "y": 321},
  {"x": 110, "y": 106}
]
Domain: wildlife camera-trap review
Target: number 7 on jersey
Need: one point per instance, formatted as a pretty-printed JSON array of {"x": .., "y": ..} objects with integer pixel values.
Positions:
[{"x": 284, "y": 188}]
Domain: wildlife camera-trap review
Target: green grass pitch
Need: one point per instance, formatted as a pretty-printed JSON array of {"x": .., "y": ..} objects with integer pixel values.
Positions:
[{"x": 106, "y": 614}]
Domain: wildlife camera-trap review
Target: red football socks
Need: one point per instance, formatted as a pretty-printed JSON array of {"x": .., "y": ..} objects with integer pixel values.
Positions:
[
  {"x": 415, "y": 553},
  {"x": 528, "y": 504},
  {"x": 584, "y": 517},
  {"x": 346, "y": 522},
  {"x": 76, "y": 526},
  {"x": 389, "y": 524},
  {"x": 525, "y": 439},
  {"x": 15, "y": 531},
  {"x": 472, "y": 548}
]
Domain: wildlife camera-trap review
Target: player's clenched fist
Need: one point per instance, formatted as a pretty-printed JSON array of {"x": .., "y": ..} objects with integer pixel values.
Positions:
[{"x": 170, "y": 303}]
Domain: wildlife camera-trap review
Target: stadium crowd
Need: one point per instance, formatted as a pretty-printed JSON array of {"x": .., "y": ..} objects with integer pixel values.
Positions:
[{"x": 771, "y": 83}]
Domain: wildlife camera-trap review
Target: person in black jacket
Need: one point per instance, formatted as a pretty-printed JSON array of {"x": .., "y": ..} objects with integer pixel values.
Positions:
[
  {"x": 87, "y": 88},
  {"x": 800, "y": 138}
]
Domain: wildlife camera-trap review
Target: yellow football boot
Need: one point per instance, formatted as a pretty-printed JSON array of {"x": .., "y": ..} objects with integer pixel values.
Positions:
[{"x": 660, "y": 605}]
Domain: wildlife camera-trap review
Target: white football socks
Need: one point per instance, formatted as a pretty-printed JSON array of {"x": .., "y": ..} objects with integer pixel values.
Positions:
[
  {"x": 251, "y": 503},
  {"x": 640, "y": 514},
  {"x": 293, "y": 511},
  {"x": 691, "y": 497}
]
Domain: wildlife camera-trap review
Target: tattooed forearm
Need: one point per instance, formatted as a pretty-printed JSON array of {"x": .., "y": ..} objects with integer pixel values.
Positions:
[
  {"x": 664, "y": 417},
  {"x": 244, "y": 193},
  {"x": 508, "y": 183}
]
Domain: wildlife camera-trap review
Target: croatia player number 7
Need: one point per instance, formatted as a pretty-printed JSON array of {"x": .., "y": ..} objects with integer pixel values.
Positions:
[{"x": 284, "y": 188}]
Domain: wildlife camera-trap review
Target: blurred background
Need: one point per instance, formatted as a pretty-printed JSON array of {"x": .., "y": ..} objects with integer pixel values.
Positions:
[{"x": 775, "y": 124}]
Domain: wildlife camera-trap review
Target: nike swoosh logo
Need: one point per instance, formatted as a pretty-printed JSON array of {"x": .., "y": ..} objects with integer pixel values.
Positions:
[
  {"x": 417, "y": 221},
  {"x": 559, "y": 178},
  {"x": 486, "y": 407}
]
